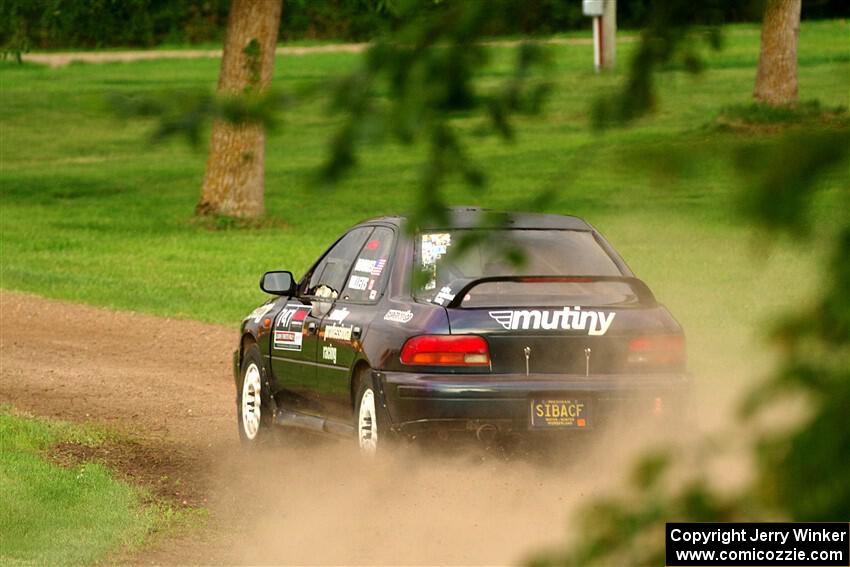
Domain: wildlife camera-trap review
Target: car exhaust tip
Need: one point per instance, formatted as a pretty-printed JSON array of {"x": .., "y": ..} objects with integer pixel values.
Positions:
[{"x": 486, "y": 433}]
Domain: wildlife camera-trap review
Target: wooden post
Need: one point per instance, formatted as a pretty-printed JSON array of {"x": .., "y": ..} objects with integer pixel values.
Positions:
[
  {"x": 598, "y": 50},
  {"x": 609, "y": 34}
]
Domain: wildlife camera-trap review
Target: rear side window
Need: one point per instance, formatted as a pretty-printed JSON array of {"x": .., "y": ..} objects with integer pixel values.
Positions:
[
  {"x": 328, "y": 278},
  {"x": 371, "y": 267}
]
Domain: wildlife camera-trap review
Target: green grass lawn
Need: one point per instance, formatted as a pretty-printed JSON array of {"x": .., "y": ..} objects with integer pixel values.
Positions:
[
  {"x": 92, "y": 212},
  {"x": 53, "y": 515}
]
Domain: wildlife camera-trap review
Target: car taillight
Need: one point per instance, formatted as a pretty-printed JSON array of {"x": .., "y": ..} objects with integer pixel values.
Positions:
[
  {"x": 657, "y": 351},
  {"x": 446, "y": 350}
]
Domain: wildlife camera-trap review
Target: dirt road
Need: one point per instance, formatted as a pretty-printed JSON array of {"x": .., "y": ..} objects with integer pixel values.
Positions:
[
  {"x": 167, "y": 385},
  {"x": 60, "y": 59}
]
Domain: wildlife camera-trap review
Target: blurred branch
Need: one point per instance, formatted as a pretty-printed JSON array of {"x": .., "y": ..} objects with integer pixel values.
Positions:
[
  {"x": 802, "y": 472},
  {"x": 783, "y": 176},
  {"x": 186, "y": 114},
  {"x": 415, "y": 83}
]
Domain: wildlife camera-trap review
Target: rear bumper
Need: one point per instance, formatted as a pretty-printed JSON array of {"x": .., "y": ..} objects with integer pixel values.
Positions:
[{"x": 417, "y": 402}]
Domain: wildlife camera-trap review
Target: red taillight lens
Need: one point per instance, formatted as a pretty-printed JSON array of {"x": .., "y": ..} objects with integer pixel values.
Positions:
[
  {"x": 657, "y": 350},
  {"x": 446, "y": 350}
]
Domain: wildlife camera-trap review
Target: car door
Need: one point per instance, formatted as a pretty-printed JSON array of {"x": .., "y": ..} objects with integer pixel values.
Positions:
[
  {"x": 295, "y": 337},
  {"x": 293, "y": 344},
  {"x": 344, "y": 327}
]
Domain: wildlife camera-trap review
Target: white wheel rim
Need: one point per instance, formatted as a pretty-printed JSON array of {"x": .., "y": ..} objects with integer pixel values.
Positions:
[
  {"x": 367, "y": 425},
  {"x": 251, "y": 402}
]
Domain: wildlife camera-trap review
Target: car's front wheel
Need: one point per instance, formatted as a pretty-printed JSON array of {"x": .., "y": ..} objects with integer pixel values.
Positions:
[
  {"x": 370, "y": 423},
  {"x": 252, "y": 420}
]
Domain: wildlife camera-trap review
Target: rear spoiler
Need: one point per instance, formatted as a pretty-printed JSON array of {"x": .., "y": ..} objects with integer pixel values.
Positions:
[{"x": 463, "y": 286}]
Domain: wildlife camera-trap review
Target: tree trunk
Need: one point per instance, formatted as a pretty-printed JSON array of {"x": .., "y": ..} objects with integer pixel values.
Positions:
[
  {"x": 776, "y": 80},
  {"x": 233, "y": 182}
]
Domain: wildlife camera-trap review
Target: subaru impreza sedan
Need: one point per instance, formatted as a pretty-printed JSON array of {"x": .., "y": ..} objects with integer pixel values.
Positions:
[{"x": 483, "y": 324}]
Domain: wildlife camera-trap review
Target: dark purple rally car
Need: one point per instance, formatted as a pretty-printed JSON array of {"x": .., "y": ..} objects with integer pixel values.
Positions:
[{"x": 533, "y": 324}]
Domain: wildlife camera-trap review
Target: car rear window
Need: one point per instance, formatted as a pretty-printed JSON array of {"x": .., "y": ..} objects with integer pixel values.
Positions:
[{"x": 444, "y": 257}]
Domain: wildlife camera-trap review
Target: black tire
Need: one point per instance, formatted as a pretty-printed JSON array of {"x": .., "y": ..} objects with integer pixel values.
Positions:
[
  {"x": 380, "y": 431},
  {"x": 254, "y": 419}
]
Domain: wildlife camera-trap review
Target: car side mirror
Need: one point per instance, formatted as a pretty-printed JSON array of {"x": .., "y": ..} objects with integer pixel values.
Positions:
[{"x": 278, "y": 283}]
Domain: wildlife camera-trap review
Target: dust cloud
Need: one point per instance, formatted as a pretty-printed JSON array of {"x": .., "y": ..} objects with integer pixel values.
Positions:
[
  {"x": 320, "y": 502},
  {"x": 311, "y": 501}
]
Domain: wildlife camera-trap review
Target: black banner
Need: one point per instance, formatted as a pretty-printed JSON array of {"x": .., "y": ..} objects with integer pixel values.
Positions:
[{"x": 817, "y": 544}]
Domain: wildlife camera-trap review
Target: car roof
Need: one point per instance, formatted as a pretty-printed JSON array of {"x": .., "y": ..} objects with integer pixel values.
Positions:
[{"x": 471, "y": 217}]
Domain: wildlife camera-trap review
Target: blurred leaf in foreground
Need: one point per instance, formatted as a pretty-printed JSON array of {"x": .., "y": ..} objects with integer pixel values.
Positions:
[{"x": 802, "y": 471}]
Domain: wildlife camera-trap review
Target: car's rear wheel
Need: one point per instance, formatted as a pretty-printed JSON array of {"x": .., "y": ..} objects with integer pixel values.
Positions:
[
  {"x": 371, "y": 424},
  {"x": 253, "y": 419}
]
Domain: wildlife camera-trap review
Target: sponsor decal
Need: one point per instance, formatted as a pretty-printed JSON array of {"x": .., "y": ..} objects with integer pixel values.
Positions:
[
  {"x": 297, "y": 323},
  {"x": 373, "y": 294},
  {"x": 337, "y": 332},
  {"x": 373, "y": 244},
  {"x": 371, "y": 284},
  {"x": 358, "y": 282},
  {"x": 291, "y": 318},
  {"x": 329, "y": 353},
  {"x": 365, "y": 266},
  {"x": 288, "y": 328},
  {"x": 444, "y": 295},
  {"x": 258, "y": 313},
  {"x": 379, "y": 266},
  {"x": 434, "y": 246},
  {"x": 284, "y": 318},
  {"x": 595, "y": 322},
  {"x": 288, "y": 340},
  {"x": 339, "y": 315},
  {"x": 398, "y": 316}
]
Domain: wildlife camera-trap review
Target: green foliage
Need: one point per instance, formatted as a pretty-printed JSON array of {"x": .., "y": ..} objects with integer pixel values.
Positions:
[
  {"x": 670, "y": 31},
  {"x": 252, "y": 53},
  {"x": 802, "y": 471},
  {"x": 811, "y": 459},
  {"x": 187, "y": 114},
  {"x": 56, "y": 515},
  {"x": 781, "y": 176},
  {"x": 55, "y": 24},
  {"x": 101, "y": 23},
  {"x": 417, "y": 84},
  {"x": 629, "y": 530}
]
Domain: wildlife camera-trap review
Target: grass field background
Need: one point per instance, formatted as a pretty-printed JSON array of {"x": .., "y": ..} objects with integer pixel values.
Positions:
[{"x": 91, "y": 212}]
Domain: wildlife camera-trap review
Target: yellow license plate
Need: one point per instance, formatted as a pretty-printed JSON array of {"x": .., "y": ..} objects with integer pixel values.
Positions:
[{"x": 569, "y": 413}]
